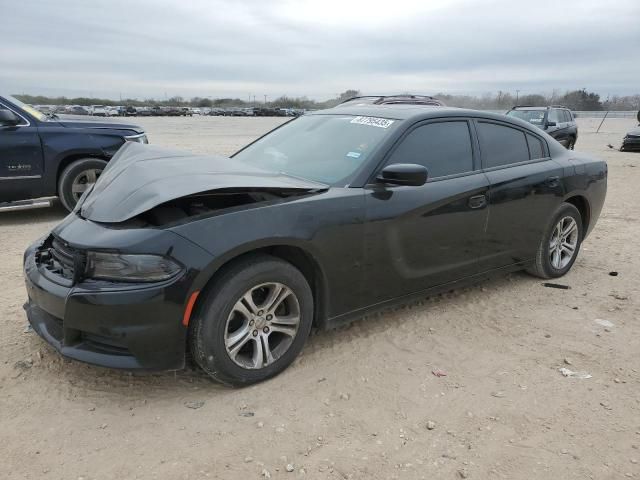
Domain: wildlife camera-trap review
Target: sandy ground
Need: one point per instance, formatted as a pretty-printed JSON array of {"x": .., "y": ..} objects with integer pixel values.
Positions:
[{"x": 359, "y": 401}]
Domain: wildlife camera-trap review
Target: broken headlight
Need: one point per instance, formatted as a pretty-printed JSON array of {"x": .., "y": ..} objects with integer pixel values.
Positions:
[{"x": 130, "y": 267}]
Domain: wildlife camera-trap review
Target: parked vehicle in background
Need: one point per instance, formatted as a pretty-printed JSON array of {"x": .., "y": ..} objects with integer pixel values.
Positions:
[
  {"x": 158, "y": 111},
  {"x": 130, "y": 111},
  {"x": 196, "y": 111},
  {"x": 186, "y": 112},
  {"x": 218, "y": 112},
  {"x": 631, "y": 141},
  {"x": 76, "y": 110},
  {"x": 44, "y": 156},
  {"x": 98, "y": 110},
  {"x": 556, "y": 120},
  {"x": 172, "y": 111},
  {"x": 111, "y": 111},
  {"x": 329, "y": 217},
  {"x": 144, "y": 112},
  {"x": 265, "y": 112}
]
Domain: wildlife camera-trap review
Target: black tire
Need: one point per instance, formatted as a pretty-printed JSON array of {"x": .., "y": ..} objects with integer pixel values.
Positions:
[
  {"x": 208, "y": 327},
  {"x": 542, "y": 266},
  {"x": 70, "y": 173},
  {"x": 571, "y": 143}
]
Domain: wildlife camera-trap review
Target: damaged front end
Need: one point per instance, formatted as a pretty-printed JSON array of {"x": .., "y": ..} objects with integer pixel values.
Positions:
[
  {"x": 210, "y": 203},
  {"x": 109, "y": 285},
  {"x": 160, "y": 186}
]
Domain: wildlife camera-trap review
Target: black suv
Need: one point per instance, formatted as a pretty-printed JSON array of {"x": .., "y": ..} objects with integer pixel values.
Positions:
[
  {"x": 43, "y": 156},
  {"x": 556, "y": 120}
]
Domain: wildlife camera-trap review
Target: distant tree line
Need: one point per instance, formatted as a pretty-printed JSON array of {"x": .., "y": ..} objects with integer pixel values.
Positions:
[
  {"x": 575, "y": 100},
  {"x": 580, "y": 100},
  {"x": 283, "y": 101}
]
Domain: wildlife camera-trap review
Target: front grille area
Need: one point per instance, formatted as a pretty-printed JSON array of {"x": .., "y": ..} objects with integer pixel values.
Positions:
[{"x": 63, "y": 263}]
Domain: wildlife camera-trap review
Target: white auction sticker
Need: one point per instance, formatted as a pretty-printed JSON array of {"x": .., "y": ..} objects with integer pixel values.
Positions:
[{"x": 373, "y": 121}]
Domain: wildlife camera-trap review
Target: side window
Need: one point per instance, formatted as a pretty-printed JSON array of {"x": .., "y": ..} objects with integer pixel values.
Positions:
[
  {"x": 535, "y": 147},
  {"x": 554, "y": 116},
  {"x": 567, "y": 116},
  {"x": 501, "y": 145},
  {"x": 444, "y": 148}
]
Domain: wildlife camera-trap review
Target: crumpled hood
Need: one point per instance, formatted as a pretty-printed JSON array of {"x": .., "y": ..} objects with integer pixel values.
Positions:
[{"x": 140, "y": 177}]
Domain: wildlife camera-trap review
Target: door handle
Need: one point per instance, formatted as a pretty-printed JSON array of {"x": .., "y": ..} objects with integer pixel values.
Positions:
[
  {"x": 477, "y": 201},
  {"x": 552, "y": 181}
]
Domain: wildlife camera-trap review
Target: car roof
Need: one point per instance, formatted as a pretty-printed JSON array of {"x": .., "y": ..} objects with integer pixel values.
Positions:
[
  {"x": 526, "y": 107},
  {"x": 531, "y": 107},
  {"x": 410, "y": 112}
]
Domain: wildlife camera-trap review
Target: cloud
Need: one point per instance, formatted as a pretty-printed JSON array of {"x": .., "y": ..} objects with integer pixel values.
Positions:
[{"x": 144, "y": 48}]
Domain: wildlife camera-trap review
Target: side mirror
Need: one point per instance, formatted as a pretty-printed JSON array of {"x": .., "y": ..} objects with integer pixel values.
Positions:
[
  {"x": 551, "y": 124},
  {"x": 408, "y": 174},
  {"x": 8, "y": 118}
]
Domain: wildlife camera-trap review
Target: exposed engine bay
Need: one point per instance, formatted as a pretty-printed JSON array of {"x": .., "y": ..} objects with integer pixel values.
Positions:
[{"x": 208, "y": 203}]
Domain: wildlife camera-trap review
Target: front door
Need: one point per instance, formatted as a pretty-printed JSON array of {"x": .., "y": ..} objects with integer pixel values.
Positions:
[
  {"x": 20, "y": 161},
  {"x": 420, "y": 237},
  {"x": 559, "y": 131}
]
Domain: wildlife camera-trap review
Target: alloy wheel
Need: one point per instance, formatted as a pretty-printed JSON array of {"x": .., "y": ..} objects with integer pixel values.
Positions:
[
  {"x": 262, "y": 325},
  {"x": 83, "y": 181},
  {"x": 563, "y": 242}
]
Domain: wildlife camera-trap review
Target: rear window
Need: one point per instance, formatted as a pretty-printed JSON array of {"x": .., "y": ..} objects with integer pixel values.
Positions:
[
  {"x": 501, "y": 145},
  {"x": 536, "y": 149},
  {"x": 536, "y": 117}
]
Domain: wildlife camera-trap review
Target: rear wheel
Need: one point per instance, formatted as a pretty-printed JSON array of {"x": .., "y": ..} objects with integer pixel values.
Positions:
[
  {"x": 253, "y": 322},
  {"x": 560, "y": 244},
  {"x": 77, "y": 178}
]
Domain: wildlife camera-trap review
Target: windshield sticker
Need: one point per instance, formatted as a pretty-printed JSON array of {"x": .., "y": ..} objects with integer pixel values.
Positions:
[
  {"x": 354, "y": 154},
  {"x": 373, "y": 121}
]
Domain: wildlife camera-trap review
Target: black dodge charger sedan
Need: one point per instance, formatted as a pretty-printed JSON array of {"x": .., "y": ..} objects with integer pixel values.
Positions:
[{"x": 325, "y": 218}]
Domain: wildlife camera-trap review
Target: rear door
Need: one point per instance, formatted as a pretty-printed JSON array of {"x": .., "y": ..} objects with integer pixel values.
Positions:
[
  {"x": 20, "y": 160},
  {"x": 420, "y": 237},
  {"x": 525, "y": 189},
  {"x": 572, "y": 130}
]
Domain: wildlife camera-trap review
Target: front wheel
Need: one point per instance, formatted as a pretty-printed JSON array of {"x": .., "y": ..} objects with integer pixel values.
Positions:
[
  {"x": 254, "y": 321},
  {"x": 571, "y": 143},
  {"x": 77, "y": 178},
  {"x": 560, "y": 244}
]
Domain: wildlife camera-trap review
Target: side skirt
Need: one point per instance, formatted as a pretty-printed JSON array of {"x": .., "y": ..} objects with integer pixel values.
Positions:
[
  {"x": 348, "y": 317},
  {"x": 26, "y": 204}
]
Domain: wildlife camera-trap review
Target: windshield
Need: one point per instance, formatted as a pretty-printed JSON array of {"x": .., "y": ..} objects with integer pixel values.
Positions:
[
  {"x": 324, "y": 148},
  {"x": 532, "y": 116},
  {"x": 27, "y": 108}
]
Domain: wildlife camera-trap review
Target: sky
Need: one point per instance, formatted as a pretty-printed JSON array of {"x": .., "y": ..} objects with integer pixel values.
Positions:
[{"x": 317, "y": 48}]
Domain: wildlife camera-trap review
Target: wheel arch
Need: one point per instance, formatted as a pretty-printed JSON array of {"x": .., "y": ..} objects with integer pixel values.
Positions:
[
  {"x": 297, "y": 256},
  {"x": 583, "y": 206}
]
